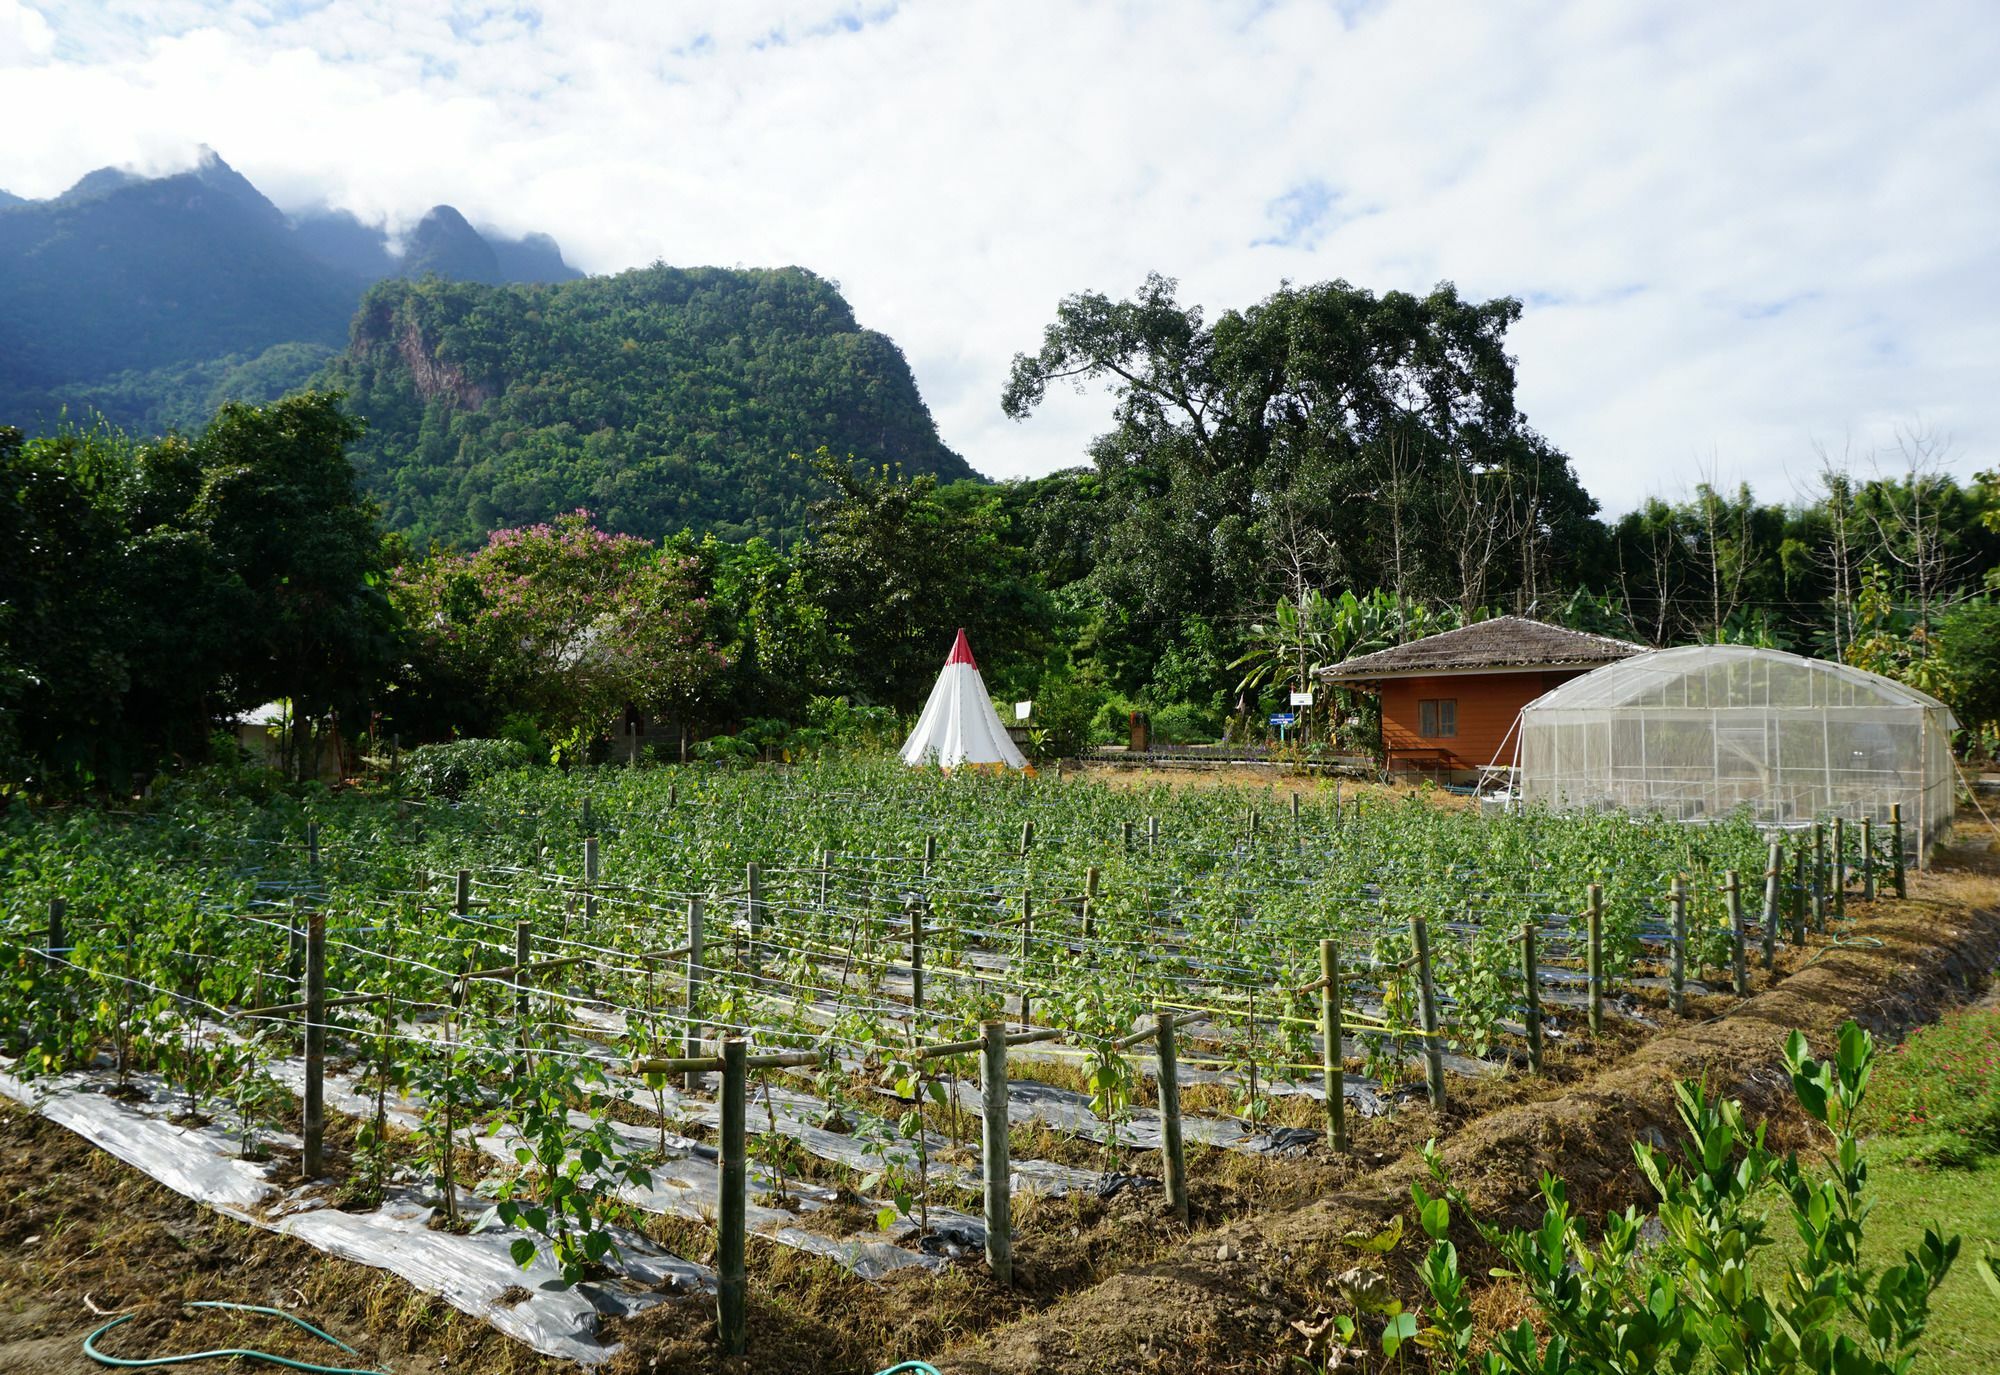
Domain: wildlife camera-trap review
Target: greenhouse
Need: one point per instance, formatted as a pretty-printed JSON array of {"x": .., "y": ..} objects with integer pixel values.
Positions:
[{"x": 1709, "y": 730}]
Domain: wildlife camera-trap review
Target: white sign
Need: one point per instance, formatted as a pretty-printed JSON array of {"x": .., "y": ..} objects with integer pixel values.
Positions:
[
  {"x": 1021, "y": 710},
  {"x": 1302, "y": 699}
]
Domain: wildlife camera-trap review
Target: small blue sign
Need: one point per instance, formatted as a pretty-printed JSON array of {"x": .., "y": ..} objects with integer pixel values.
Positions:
[{"x": 1284, "y": 718}]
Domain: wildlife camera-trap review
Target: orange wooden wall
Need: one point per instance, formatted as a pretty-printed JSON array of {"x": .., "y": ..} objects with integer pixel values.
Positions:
[{"x": 1488, "y": 703}]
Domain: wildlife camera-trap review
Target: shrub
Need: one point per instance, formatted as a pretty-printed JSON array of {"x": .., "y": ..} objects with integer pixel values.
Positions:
[
  {"x": 521, "y": 728},
  {"x": 1065, "y": 711},
  {"x": 1111, "y": 722},
  {"x": 1184, "y": 723},
  {"x": 1944, "y": 1081},
  {"x": 450, "y": 770}
]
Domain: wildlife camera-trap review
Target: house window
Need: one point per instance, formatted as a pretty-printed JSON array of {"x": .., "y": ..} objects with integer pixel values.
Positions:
[{"x": 1437, "y": 718}]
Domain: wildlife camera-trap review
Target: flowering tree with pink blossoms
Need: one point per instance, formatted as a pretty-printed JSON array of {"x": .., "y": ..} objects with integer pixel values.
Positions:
[{"x": 568, "y": 624}]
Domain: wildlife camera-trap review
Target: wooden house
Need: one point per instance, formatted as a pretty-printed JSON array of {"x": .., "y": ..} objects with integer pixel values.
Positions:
[{"x": 1450, "y": 702}]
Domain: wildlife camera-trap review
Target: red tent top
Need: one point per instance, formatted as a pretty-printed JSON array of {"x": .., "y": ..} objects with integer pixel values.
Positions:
[{"x": 961, "y": 652}]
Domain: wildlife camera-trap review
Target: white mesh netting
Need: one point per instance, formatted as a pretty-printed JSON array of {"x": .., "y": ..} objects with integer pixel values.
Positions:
[{"x": 1706, "y": 730}]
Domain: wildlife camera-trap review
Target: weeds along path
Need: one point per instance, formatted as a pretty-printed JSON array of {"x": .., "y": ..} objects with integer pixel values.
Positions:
[{"x": 1227, "y": 1299}]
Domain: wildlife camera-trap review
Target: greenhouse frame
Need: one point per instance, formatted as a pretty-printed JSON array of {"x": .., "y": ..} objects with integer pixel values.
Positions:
[{"x": 1708, "y": 731}]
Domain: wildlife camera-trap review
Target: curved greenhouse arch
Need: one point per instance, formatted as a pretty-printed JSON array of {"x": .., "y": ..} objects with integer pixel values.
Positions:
[{"x": 1706, "y": 731}]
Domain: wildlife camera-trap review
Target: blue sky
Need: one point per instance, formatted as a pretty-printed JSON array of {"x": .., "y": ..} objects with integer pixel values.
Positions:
[{"x": 1746, "y": 235}]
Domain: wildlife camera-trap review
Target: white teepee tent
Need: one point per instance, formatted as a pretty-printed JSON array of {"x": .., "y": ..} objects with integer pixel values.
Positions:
[{"x": 958, "y": 725}]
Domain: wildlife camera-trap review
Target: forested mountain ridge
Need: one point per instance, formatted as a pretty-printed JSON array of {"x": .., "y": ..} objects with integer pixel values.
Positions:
[
  {"x": 150, "y": 300},
  {"x": 660, "y": 399}
]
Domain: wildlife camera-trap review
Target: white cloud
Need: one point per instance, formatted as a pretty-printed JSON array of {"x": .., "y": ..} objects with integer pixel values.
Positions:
[{"x": 1739, "y": 229}]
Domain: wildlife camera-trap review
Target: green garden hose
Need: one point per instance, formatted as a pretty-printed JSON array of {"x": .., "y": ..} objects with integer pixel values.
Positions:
[
  {"x": 134, "y": 1362},
  {"x": 918, "y": 1367}
]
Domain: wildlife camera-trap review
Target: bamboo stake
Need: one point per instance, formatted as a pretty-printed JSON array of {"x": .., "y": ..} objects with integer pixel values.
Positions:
[
  {"x": 312, "y": 1161},
  {"x": 753, "y": 907},
  {"x": 1867, "y": 859},
  {"x": 1090, "y": 881},
  {"x": 1152, "y": 833},
  {"x": 993, "y": 1152},
  {"x": 1896, "y": 843},
  {"x": 1840, "y": 868},
  {"x": 916, "y": 911},
  {"x": 1593, "y": 921},
  {"x": 1330, "y": 1034},
  {"x": 1819, "y": 876},
  {"x": 1799, "y": 899},
  {"x": 462, "y": 900},
  {"x": 524, "y": 954},
  {"x": 1175, "y": 1161},
  {"x": 1531, "y": 979},
  {"x": 57, "y": 909},
  {"x": 1012, "y": 1038},
  {"x": 1739, "y": 968},
  {"x": 1027, "y": 936},
  {"x": 731, "y": 1283},
  {"x": 1027, "y": 838},
  {"x": 695, "y": 971},
  {"x": 1427, "y": 1009},
  {"x": 1677, "y": 900},
  {"x": 1774, "y": 869}
]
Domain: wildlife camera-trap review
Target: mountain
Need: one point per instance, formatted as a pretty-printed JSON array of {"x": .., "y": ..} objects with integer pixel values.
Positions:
[
  {"x": 147, "y": 298},
  {"x": 660, "y": 398}
]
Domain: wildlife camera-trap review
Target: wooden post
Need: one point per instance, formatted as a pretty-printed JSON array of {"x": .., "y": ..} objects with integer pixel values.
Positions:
[
  {"x": 1295, "y": 809},
  {"x": 930, "y": 854},
  {"x": 1170, "y": 1118},
  {"x": 1027, "y": 838},
  {"x": 1428, "y": 1010},
  {"x": 1090, "y": 880},
  {"x": 57, "y": 909},
  {"x": 1125, "y": 836},
  {"x": 1867, "y": 859},
  {"x": 1677, "y": 901},
  {"x": 312, "y": 1162},
  {"x": 1739, "y": 967},
  {"x": 1774, "y": 869},
  {"x": 915, "y": 909},
  {"x": 993, "y": 1152},
  {"x": 1330, "y": 1033},
  {"x": 695, "y": 972},
  {"x": 589, "y": 823},
  {"x": 524, "y": 955},
  {"x": 1896, "y": 844},
  {"x": 1152, "y": 833},
  {"x": 731, "y": 1284},
  {"x": 1799, "y": 886},
  {"x": 312, "y": 846},
  {"x": 1819, "y": 876},
  {"x": 1027, "y": 935},
  {"x": 462, "y": 901},
  {"x": 295, "y": 951},
  {"x": 1531, "y": 984},
  {"x": 590, "y": 861},
  {"x": 1839, "y": 881},
  {"x": 1593, "y": 924},
  {"x": 753, "y": 909},
  {"x": 825, "y": 880},
  {"x": 1252, "y": 826}
]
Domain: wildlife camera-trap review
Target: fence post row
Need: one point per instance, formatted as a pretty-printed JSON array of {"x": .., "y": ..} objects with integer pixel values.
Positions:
[
  {"x": 1331, "y": 1060},
  {"x": 1593, "y": 920},
  {"x": 731, "y": 1283},
  {"x": 1739, "y": 969},
  {"x": 993, "y": 1151},
  {"x": 314, "y": 1132},
  {"x": 1175, "y": 1161},
  {"x": 1774, "y": 869},
  {"x": 1427, "y": 1009}
]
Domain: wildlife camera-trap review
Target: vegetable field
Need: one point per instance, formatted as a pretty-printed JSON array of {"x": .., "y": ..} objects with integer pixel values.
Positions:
[{"x": 613, "y": 1027}]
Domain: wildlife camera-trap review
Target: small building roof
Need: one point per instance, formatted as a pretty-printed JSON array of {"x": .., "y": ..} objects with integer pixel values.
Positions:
[{"x": 1501, "y": 644}]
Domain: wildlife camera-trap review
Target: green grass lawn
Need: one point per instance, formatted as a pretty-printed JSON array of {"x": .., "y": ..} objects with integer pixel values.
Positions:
[{"x": 1964, "y": 1334}]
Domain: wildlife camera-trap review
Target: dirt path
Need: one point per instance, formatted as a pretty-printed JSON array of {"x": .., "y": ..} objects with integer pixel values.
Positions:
[{"x": 1228, "y": 1300}]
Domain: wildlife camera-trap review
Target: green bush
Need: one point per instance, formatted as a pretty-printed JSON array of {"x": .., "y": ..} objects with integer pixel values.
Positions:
[
  {"x": 1111, "y": 722},
  {"x": 1184, "y": 723},
  {"x": 1065, "y": 717},
  {"x": 1943, "y": 1082},
  {"x": 450, "y": 770},
  {"x": 521, "y": 728}
]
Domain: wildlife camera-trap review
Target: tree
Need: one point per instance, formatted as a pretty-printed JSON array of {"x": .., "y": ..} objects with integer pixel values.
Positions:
[
  {"x": 565, "y": 623},
  {"x": 282, "y": 511}
]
